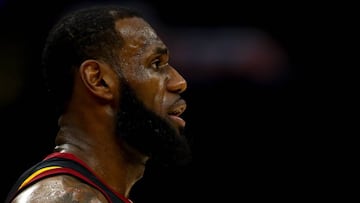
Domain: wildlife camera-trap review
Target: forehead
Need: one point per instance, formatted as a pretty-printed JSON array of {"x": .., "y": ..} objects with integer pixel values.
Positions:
[{"x": 136, "y": 32}]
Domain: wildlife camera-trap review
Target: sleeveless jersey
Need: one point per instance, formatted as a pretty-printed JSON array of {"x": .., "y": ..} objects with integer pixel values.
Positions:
[{"x": 64, "y": 163}]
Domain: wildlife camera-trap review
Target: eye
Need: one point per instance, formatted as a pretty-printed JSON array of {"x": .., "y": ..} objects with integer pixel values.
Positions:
[{"x": 156, "y": 65}]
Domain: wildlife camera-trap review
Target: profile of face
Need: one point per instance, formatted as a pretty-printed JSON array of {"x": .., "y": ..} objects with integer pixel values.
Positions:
[{"x": 150, "y": 104}]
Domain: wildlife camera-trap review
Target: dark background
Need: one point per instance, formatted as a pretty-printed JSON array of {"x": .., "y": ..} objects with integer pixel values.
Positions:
[{"x": 254, "y": 119}]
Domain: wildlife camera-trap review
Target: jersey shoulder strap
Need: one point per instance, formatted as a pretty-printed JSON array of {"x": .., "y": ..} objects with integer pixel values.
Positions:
[{"x": 63, "y": 163}]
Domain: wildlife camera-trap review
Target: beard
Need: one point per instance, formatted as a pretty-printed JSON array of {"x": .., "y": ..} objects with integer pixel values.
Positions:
[{"x": 149, "y": 133}]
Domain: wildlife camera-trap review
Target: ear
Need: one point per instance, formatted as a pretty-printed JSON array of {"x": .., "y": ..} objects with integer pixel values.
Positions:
[{"x": 98, "y": 78}]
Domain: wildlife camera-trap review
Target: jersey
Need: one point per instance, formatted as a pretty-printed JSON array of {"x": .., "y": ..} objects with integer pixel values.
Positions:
[{"x": 59, "y": 164}]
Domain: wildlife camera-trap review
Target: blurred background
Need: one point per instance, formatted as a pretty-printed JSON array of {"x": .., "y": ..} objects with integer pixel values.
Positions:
[{"x": 251, "y": 95}]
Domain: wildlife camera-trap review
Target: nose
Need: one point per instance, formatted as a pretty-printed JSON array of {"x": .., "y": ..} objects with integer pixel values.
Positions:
[{"x": 176, "y": 82}]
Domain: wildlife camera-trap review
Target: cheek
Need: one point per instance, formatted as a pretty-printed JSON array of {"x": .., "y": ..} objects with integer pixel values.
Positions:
[
  {"x": 151, "y": 92},
  {"x": 149, "y": 87}
]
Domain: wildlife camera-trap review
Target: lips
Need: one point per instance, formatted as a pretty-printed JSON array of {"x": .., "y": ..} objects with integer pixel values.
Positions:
[{"x": 176, "y": 110}]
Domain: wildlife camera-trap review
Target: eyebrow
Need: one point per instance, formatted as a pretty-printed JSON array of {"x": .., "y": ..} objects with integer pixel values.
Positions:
[{"x": 160, "y": 50}]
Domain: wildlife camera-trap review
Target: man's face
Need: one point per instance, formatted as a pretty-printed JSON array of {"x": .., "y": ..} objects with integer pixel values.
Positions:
[{"x": 150, "y": 104}]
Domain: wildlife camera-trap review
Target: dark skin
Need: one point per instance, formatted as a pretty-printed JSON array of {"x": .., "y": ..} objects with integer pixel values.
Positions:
[{"x": 88, "y": 125}]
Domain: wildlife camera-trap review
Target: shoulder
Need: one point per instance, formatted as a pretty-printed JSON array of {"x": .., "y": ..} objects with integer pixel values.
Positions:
[{"x": 61, "y": 188}]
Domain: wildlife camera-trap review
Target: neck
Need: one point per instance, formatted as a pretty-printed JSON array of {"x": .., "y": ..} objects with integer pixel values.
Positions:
[{"x": 117, "y": 164}]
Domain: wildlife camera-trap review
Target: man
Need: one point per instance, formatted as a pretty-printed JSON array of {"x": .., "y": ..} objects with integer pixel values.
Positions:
[{"x": 119, "y": 105}]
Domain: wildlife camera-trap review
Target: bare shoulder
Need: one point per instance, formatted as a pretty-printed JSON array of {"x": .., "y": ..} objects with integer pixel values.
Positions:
[{"x": 60, "y": 189}]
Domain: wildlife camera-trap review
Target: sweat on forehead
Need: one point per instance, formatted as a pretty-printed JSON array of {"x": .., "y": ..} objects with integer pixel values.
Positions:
[{"x": 136, "y": 29}]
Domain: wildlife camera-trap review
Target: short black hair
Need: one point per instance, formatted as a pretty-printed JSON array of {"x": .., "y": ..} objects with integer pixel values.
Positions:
[{"x": 86, "y": 33}]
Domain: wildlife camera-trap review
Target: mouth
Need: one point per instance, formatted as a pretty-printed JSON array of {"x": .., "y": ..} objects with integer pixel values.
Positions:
[{"x": 175, "y": 111}]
